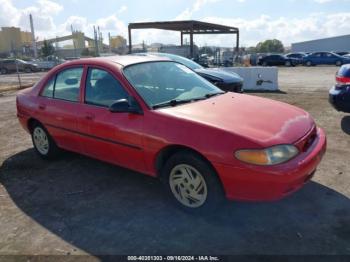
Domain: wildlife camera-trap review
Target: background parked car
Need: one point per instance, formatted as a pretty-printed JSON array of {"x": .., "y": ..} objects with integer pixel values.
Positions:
[
  {"x": 9, "y": 65},
  {"x": 339, "y": 95},
  {"x": 277, "y": 60},
  {"x": 342, "y": 53},
  {"x": 298, "y": 56},
  {"x": 48, "y": 62},
  {"x": 224, "y": 80},
  {"x": 325, "y": 58}
]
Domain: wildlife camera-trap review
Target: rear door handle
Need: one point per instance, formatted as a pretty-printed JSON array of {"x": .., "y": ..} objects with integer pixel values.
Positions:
[
  {"x": 42, "y": 107},
  {"x": 89, "y": 116}
]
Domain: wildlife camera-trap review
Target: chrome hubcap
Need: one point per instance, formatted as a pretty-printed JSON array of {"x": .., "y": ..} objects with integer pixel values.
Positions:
[
  {"x": 41, "y": 141},
  {"x": 188, "y": 186}
]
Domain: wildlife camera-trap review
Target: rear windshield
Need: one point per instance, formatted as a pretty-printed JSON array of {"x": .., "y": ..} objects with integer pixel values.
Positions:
[{"x": 344, "y": 71}]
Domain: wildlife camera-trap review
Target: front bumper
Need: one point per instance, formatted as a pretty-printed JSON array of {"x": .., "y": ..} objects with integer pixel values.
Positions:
[
  {"x": 268, "y": 183},
  {"x": 340, "y": 99}
]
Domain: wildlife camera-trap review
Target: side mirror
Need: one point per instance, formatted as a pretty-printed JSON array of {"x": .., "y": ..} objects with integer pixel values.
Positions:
[{"x": 124, "y": 106}]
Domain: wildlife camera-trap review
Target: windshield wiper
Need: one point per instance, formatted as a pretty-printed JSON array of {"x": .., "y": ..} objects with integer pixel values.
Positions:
[
  {"x": 173, "y": 102},
  {"x": 213, "y": 94}
]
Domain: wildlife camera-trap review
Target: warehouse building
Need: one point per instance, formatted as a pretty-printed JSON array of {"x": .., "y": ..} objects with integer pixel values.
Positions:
[
  {"x": 331, "y": 44},
  {"x": 12, "y": 39}
]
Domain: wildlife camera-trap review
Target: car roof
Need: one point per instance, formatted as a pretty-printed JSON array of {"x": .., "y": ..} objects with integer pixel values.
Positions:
[{"x": 123, "y": 60}]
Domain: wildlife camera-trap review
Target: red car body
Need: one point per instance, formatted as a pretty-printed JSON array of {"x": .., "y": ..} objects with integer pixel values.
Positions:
[{"x": 214, "y": 128}]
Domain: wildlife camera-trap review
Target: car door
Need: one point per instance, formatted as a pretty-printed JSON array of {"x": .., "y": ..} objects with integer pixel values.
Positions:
[
  {"x": 323, "y": 59},
  {"x": 274, "y": 60},
  {"x": 58, "y": 104},
  {"x": 281, "y": 60},
  {"x": 331, "y": 59},
  {"x": 269, "y": 60},
  {"x": 318, "y": 59},
  {"x": 10, "y": 65},
  {"x": 112, "y": 137}
]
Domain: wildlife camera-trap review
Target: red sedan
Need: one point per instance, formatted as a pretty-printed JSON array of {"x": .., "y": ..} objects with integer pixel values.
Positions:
[{"x": 160, "y": 118}]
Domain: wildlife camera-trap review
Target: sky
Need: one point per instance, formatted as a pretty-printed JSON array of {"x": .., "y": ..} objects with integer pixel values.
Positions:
[{"x": 287, "y": 20}]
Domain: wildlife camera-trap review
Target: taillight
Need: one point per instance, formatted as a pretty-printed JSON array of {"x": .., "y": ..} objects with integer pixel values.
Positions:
[{"x": 342, "y": 80}]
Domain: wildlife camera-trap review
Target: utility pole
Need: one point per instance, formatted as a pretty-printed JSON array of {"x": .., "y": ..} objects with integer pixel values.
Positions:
[
  {"x": 99, "y": 36},
  {"x": 75, "y": 48},
  {"x": 33, "y": 36},
  {"x": 96, "y": 43},
  {"x": 109, "y": 42}
]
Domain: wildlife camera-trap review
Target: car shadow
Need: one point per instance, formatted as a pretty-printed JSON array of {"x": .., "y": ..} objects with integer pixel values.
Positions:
[
  {"x": 345, "y": 124},
  {"x": 105, "y": 210}
]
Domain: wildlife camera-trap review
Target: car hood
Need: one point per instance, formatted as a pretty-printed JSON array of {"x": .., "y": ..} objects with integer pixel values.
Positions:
[
  {"x": 224, "y": 76},
  {"x": 260, "y": 120}
]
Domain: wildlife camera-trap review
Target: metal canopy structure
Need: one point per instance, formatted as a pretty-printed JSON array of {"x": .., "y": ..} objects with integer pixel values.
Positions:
[{"x": 190, "y": 27}]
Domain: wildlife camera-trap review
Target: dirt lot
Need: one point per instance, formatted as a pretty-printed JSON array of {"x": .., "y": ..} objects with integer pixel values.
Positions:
[
  {"x": 78, "y": 205},
  {"x": 11, "y": 80}
]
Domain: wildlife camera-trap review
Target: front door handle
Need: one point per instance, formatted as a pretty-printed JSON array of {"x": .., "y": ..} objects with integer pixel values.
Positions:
[
  {"x": 42, "y": 107},
  {"x": 89, "y": 116}
]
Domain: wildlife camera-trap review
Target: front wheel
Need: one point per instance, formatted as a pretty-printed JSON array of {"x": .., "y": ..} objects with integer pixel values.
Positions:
[
  {"x": 192, "y": 183},
  {"x": 338, "y": 63},
  {"x": 44, "y": 145},
  {"x": 27, "y": 70},
  {"x": 288, "y": 63},
  {"x": 308, "y": 63}
]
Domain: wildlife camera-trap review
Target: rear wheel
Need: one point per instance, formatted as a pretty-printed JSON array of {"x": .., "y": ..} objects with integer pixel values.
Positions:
[
  {"x": 264, "y": 63},
  {"x": 27, "y": 70},
  {"x": 192, "y": 183},
  {"x": 44, "y": 145},
  {"x": 3, "y": 71},
  {"x": 288, "y": 63},
  {"x": 338, "y": 63},
  {"x": 308, "y": 63}
]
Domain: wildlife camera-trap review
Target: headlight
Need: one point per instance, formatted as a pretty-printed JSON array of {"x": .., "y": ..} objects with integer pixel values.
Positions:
[{"x": 269, "y": 156}]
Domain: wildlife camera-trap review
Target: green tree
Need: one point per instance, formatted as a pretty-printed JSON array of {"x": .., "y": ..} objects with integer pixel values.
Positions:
[
  {"x": 47, "y": 49},
  {"x": 270, "y": 46}
]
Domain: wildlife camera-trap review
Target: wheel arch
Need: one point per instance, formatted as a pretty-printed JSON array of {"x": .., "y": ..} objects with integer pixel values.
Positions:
[
  {"x": 31, "y": 122},
  {"x": 165, "y": 153}
]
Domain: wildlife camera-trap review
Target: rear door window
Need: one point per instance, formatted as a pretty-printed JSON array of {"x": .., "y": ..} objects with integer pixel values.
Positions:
[
  {"x": 67, "y": 84},
  {"x": 48, "y": 89}
]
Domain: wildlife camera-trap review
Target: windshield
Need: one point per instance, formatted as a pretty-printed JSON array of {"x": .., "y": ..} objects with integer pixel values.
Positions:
[
  {"x": 162, "y": 82},
  {"x": 182, "y": 60}
]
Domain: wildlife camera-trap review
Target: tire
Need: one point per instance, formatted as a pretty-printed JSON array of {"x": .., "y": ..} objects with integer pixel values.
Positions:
[
  {"x": 43, "y": 143},
  {"x": 3, "y": 71},
  {"x": 27, "y": 70},
  {"x": 288, "y": 63},
  {"x": 308, "y": 63},
  {"x": 191, "y": 183},
  {"x": 264, "y": 63},
  {"x": 338, "y": 63}
]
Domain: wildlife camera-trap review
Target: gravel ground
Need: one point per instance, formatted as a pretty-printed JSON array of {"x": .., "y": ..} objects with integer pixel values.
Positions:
[
  {"x": 77, "y": 205},
  {"x": 11, "y": 80}
]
